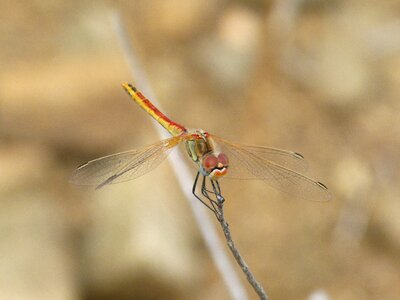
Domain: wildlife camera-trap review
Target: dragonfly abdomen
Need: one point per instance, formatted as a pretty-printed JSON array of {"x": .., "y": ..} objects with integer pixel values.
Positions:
[{"x": 173, "y": 128}]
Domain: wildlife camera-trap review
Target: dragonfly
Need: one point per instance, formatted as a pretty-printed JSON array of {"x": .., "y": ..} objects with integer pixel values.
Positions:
[{"x": 214, "y": 157}]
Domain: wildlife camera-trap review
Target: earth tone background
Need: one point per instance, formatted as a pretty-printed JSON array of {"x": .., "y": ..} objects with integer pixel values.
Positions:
[{"x": 318, "y": 77}]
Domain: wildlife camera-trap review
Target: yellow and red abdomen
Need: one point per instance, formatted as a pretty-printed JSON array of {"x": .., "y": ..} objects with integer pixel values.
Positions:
[{"x": 174, "y": 128}]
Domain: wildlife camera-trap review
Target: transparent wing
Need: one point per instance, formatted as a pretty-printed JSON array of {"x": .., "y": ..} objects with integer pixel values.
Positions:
[
  {"x": 125, "y": 165},
  {"x": 249, "y": 162},
  {"x": 288, "y": 159}
]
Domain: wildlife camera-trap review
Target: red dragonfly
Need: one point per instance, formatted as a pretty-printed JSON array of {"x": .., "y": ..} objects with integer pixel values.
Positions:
[{"x": 215, "y": 157}]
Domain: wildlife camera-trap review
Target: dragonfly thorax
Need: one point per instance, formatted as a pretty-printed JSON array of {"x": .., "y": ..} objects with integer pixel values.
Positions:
[
  {"x": 198, "y": 145},
  {"x": 201, "y": 150}
]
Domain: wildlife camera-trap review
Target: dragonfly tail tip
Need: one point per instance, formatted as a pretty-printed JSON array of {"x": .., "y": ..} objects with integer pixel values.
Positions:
[{"x": 128, "y": 86}]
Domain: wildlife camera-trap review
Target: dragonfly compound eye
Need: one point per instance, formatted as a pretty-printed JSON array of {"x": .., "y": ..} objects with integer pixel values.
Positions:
[
  {"x": 210, "y": 162},
  {"x": 223, "y": 159}
]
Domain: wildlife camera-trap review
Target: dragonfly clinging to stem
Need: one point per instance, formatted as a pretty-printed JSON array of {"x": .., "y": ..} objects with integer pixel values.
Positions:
[{"x": 215, "y": 157}]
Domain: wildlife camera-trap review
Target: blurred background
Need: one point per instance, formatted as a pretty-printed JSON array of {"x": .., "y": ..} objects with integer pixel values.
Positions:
[{"x": 318, "y": 77}]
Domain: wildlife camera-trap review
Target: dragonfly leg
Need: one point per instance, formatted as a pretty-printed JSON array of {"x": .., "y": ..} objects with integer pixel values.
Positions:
[
  {"x": 213, "y": 209},
  {"x": 205, "y": 192},
  {"x": 204, "y": 189},
  {"x": 217, "y": 205},
  {"x": 217, "y": 191}
]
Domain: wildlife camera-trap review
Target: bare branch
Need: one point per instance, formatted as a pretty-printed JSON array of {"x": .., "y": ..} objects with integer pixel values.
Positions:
[
  {"x": 239, "y": 259},
  {"x": 182, "y": 173}
]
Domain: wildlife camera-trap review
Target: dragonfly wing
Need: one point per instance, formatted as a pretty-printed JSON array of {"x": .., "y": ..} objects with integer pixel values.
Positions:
[
  {"x": 125, "y": 165},
  {"x": 245, "y": 163},
  {"x": 288, "y": 159}
]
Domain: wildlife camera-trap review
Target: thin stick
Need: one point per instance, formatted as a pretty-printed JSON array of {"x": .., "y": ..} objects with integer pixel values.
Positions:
[
  {"x": 239, "y": 259},
  {"x": 206, "y": 226}
]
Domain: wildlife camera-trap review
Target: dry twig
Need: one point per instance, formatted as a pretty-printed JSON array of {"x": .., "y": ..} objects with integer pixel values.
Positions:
[
  {"x": 207, "y": 229},
  {"x": 219, "y": 212}
]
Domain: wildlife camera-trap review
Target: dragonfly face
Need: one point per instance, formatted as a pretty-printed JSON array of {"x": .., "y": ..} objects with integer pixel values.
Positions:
[
  {"x": 201, "y": 150},
  {"x": 214, "y": 166}
]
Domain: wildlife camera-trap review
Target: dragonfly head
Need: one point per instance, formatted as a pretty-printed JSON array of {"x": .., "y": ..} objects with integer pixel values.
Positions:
[
  {"x": 214, "y": 166},
  {"x": 201, "y": 150}
]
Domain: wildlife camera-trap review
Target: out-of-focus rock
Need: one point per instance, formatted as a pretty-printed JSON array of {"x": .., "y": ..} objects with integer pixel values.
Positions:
[
  {"x": 331, "y": 55},
  {"x": 353, "y": 177},
  {"x": 229, "y": 55},
  {"x": 23, "y": 166},
  {"x": 89, "y": 117},
  {"x": 137, "y": 236},
  {"x": 34, "y": 263},
  {"x": 175, "y": 20},
  {"x": 386, "y": 222},
  {"x": 319, "y": 295},
  {"x": 339, "y": 72}
]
